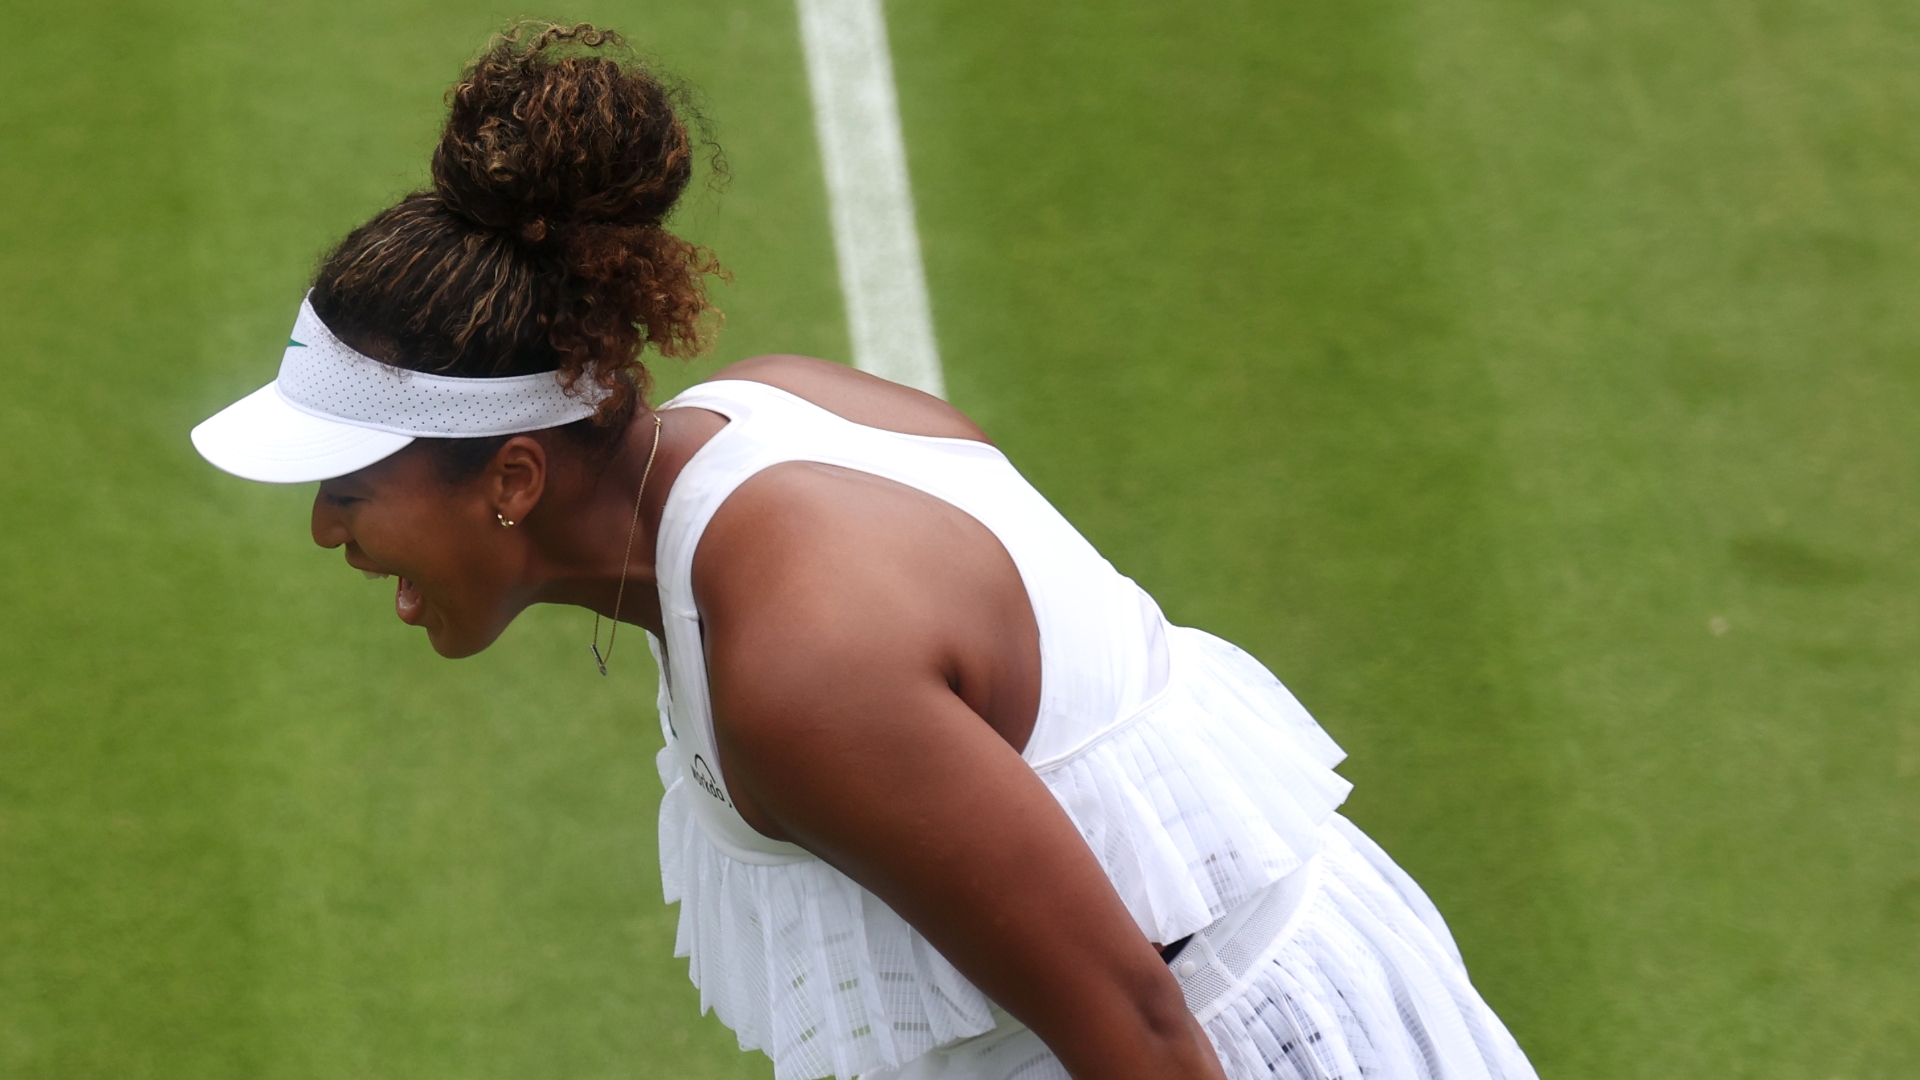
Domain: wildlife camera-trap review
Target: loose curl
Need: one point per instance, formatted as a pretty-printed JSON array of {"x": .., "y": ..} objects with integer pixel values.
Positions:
[{"x": 542, "y": 244}]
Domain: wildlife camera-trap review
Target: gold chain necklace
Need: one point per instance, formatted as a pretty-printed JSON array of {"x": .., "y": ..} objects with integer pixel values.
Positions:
[{"x": 632, "y": 530}]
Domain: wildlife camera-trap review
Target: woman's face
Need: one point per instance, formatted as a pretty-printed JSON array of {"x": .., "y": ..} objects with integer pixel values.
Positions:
[{"x": 459, "y": 573}]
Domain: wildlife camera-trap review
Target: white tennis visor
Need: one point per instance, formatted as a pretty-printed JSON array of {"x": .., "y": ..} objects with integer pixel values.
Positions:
[{"x": 333, "y": 411}]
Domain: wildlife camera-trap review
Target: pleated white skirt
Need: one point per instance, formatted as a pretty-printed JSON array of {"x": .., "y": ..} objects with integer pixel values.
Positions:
[{"x": 1342, "y": 971}]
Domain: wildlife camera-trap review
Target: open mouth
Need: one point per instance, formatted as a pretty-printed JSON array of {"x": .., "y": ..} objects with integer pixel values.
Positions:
[{"x": 407, "y": 602}]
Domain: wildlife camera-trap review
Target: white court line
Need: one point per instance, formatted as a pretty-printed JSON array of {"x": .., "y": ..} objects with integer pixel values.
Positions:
[{"x": 857, "y": 118}]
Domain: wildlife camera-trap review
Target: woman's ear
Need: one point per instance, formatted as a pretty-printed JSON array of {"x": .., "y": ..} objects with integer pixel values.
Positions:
[{"x": 517, "y": 477}]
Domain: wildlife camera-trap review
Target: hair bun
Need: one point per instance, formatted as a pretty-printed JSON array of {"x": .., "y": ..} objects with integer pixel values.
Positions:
[
  {"x": 557, "y": 127},
  {"x": 542, "y": 246}
]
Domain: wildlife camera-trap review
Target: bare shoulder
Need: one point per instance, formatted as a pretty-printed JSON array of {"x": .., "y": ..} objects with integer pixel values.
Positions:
[
  {"x": 857, "y": 396},
  {"x": 807, "y": 535}
]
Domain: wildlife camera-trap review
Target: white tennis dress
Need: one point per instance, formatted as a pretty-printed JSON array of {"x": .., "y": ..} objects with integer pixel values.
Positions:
[{"x": 1203, "y": 787}]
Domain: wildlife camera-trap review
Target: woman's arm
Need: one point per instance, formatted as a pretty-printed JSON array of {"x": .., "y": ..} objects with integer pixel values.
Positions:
[{"x": 841, "y": 613}]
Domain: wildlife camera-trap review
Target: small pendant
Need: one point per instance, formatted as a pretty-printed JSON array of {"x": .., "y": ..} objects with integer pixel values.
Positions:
[{"x": 597, "y": 658}]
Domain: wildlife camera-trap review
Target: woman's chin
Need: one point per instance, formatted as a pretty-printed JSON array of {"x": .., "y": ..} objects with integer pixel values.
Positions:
[
  {"x": 449, "y": 639},
  {"x": 453, "y": 643}
]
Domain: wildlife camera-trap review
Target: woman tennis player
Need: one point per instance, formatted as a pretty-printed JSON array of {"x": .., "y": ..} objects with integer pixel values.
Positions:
[{"x": 946, "y": 795}]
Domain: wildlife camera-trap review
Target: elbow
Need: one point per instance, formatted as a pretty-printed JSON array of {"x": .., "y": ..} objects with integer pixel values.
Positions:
[
  {"x": 1162, "y": 1011},
  {"x": 1135, "y": 1026}
]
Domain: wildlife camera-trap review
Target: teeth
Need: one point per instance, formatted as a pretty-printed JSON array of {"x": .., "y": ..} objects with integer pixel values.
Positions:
[{"x": 375, "y": 575}]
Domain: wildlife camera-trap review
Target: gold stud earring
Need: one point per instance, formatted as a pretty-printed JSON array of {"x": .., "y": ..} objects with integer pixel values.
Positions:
[{"x": 504, "y": 523}]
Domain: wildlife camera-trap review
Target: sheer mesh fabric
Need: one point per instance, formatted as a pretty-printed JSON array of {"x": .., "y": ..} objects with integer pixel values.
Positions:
[
  {"x": 804, "y": 964},
  {"x": 1363, "y": 987}
]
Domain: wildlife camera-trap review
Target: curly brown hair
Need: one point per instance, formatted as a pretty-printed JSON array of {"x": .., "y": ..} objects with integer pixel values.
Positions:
[{"x": 542, "y": 244}]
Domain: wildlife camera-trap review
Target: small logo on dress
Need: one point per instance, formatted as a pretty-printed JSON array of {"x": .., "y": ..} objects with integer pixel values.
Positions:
[{"x": 703, "y": 776}]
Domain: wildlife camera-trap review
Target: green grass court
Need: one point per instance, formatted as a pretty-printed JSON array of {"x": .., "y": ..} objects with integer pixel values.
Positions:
[{"x": 1469, "y": 361}]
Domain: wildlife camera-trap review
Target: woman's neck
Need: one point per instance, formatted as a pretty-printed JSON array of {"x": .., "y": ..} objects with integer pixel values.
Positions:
[{"x": 585, "y": 531}]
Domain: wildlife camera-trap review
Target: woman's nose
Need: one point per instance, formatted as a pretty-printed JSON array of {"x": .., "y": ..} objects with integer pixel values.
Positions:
[{"x": 328, "y": 530}]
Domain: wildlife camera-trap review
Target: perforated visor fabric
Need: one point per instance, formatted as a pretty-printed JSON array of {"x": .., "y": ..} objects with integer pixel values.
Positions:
[{"x": 321, "y": 375}]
